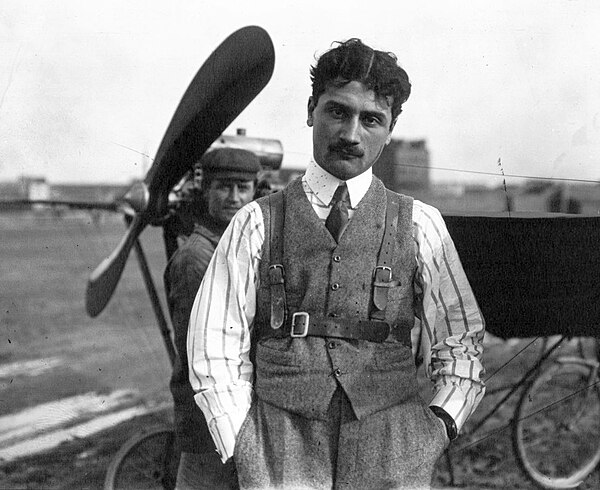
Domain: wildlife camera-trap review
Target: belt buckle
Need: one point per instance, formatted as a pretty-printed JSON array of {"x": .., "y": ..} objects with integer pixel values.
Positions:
[
  {"x": 379, "y": 276},
  {"x": 300, "y": 321}
]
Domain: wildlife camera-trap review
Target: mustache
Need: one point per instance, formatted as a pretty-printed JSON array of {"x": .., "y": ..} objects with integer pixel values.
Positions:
[{"x": 348, "y": 149}]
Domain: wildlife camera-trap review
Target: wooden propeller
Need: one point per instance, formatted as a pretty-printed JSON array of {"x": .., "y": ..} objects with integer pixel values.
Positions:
[{"x": 232, "y": 76}]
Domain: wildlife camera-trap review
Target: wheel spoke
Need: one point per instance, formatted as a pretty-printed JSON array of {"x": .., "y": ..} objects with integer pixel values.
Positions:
[
  {"x": 146, "y": 461},
  {"x": 557, "y": 429}
]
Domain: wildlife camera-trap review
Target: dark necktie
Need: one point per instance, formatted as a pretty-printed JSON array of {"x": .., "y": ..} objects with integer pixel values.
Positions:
[{"x": 337, "y": 221}]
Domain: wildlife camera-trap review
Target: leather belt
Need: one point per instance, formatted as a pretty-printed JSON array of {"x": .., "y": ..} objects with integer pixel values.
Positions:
[{"x": 303, "y": 325}]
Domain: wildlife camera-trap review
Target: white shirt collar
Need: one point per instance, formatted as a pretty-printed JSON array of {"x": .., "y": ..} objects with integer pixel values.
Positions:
[{"x": 323, "y": 184}]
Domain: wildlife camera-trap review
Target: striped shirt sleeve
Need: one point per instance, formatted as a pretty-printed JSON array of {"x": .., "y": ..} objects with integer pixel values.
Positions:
[
  {"x": 449, "y": 327},
  {"x": 218, "y": 340}
]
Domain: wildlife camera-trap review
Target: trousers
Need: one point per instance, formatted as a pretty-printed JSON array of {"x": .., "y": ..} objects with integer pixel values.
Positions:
[
  {"x": 395, "y": 448},
  {"x": 205, "y": 471}
]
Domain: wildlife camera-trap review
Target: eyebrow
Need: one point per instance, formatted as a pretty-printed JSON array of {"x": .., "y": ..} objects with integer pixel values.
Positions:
[{"x": 379, "y": 114}]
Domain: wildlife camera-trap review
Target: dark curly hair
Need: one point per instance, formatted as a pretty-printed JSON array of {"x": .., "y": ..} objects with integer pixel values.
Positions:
[{"x": 353, "y": 60}]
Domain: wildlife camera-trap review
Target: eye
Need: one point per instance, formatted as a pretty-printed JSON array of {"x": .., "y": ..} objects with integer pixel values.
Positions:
[
  {"x": 371, "y": 121},
  {"x": 336, "y": 112}
]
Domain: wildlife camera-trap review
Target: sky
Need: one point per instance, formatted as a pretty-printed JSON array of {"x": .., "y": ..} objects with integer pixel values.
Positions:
[{"x": 87, "y": 89}]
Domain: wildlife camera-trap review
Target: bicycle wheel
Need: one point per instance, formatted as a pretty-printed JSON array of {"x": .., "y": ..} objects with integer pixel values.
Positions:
[
  {"x": 146, "y": 461},
  {"x": 556, "y": 429}
]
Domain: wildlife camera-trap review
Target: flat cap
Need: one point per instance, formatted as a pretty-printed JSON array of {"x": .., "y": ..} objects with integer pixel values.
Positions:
[{"x": 231, "y": 163}]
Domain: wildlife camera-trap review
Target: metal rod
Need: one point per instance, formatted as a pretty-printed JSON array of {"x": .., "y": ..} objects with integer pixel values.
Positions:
[
  {"x": 154, "y": 299},
  {"x": 521, "y": 382}
]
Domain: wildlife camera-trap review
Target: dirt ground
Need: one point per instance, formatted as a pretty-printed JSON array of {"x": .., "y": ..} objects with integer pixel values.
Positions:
[{"x": 44, "y": 267}]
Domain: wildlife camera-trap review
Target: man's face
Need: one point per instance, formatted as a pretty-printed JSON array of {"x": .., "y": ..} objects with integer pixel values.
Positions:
[
  {"x": 225, "y": 197},
  {"x": 351, "y": 126}
]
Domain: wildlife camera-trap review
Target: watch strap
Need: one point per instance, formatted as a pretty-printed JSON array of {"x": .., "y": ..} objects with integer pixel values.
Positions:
[{"x": 449, "y": 422}]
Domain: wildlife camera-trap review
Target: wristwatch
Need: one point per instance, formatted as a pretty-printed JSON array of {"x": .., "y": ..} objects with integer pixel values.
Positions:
[{"x": 451, "y": 429}]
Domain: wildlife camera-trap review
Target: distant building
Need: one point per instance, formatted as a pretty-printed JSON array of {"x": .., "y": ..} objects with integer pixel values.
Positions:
[
  {"x": 587, "y": 195},
  {"x": 36, "y": 188},
  {"x": 16, "y": 196},
  {"x": 11, "y": 190},
  {"x": 89, "y": 192},
  {"x": 404, "y": 165},
  {"x": 555, "y": 198}
]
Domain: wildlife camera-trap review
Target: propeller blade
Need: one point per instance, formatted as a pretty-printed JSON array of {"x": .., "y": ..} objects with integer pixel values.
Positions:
[
  {"x": 232, "y": 76},
  {"x": 103, "y": 280}
]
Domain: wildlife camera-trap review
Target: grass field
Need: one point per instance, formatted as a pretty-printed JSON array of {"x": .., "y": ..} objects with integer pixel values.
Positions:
[
  {"x": 45, "y": 262},
  {"x": 44, "y": 269}
]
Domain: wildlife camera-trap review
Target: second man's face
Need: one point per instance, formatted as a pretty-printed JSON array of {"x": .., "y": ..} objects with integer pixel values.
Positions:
[
  {"x": 226, "y": 197},
  {"x": 351, "y": 126}
]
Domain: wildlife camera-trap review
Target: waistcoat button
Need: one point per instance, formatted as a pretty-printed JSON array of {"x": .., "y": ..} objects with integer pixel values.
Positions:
[
  {"x": 331, "y": 345},
  {"x": 336, "y": 258},
  {"x": 335, "y": 286},
  {"x": 337, "y": 373}
]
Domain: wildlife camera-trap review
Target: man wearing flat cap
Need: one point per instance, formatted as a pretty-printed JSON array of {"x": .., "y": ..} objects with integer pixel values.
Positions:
[{"x": 229, "y": 179}]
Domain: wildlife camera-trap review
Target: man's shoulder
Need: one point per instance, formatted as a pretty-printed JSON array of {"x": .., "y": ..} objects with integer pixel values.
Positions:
[
  {"x": 199, "y": 239},
  {"x": 250, "y": 211},
  {"x": 401, "y": 197},
  {"x": 429, "y": 224},
  {"x": 260, "y": 208},
  {"x": 196, "y": 247},
  {"x": 426, "y": 211},
  {"x": 261, "y": 202}
]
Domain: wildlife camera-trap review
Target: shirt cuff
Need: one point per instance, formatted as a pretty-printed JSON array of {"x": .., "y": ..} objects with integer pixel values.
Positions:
[
  {"x": 451, "y": 398},
  {"x": 224, "y": 434},
  {"x": 225, "y": 415}
]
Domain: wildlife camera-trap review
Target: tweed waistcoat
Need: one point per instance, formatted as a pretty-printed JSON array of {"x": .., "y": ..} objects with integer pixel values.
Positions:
[{"x": 332, "y": 279}]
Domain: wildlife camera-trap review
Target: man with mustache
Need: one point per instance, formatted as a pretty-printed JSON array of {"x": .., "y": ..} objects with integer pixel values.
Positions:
[
  {"x": 320, "y": 299},
  {"x": 228, "y": 179}
]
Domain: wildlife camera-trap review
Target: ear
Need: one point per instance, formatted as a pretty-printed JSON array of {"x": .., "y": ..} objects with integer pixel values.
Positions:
[
  {"x": 310, "y": 110},
  {"x": 389, "y": 138}
]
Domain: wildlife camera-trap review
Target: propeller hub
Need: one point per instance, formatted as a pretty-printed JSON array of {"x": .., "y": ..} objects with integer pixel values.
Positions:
[{"x": 137, "y": 197}]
